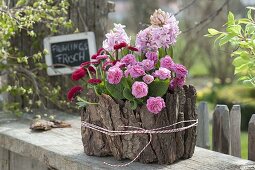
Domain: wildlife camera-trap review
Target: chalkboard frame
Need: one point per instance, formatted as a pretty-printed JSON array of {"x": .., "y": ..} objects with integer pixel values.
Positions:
[{"x": 51, "y": 71}]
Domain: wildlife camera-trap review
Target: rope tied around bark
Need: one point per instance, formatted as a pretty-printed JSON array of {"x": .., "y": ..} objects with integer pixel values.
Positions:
[{"x": 139, "y": 130}]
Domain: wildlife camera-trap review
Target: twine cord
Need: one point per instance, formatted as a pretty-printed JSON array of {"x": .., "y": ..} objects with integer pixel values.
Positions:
[{"x": 138, "y": 130}]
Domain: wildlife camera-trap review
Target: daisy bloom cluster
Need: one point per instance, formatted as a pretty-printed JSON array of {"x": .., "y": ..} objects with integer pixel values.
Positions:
[{"x": 142, "y": 73}]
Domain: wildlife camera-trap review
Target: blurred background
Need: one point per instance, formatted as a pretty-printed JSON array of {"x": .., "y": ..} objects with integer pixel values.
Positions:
[{"x": 210, "y": 68}]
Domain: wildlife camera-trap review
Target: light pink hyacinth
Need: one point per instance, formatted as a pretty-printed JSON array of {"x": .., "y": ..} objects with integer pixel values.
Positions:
[
  {"x": 147, "y": 64},
  {"x": 139, "y": 89},
  {"x": 144, "y": 41},
  {"x": 152, "y": 56},
  {"x": 166, "y": 35},
  {"x": 148, "y": 79},
  {"x": 116, "y": 36},
  {"x": 162, "y": 73},
  {"x": 180, "y": 70},
  {"x": 155, "y": 104},
  {"x": 114, "y": 75},
  {"x": 128, "y": 59},
  {"x": 135, "y": 71},
  {"x": 157, "y": 36},
  {"x": 167, "y": 62}
]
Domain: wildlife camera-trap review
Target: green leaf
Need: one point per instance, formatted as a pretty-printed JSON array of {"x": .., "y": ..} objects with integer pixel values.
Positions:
[
  {"x": 170, "y": 51},
  {"x": 208, "y": 35},
  {"x": 133, "y": 104},
  {"x": 162, "y": 52},
  {"x": 249, "y": 15},
  {"x": 127, "y": 82},
  {"x": 213, "y": 31},
  {"x": 238, "y": 61},
  {"x": 242, "y": 78},
  {"x": 124, "y": 52},
  {"x": 116, "y": 90},
  {"x": 234, "y": 29},
  {"x": 245, "y": 56},
  {"x": 231, "y": 18},
  {"x": 244, "y": 21},
  {"x": 127, "y": 94},
  {"x": 241, "y": 69},
  {"x": 158, "y": 87},
  {"x": 250, "y": 7},
  {"x": 81, "y": 104},
  {"x": 225, "y": 39},
  {"x": 219, "y": 37},
  {"x": 21, "y": 3},
  {"x": 250, "y": 28}
]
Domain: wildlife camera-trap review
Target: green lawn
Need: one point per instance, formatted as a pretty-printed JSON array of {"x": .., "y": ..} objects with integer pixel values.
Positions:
[{"x": 244, "y": 143}]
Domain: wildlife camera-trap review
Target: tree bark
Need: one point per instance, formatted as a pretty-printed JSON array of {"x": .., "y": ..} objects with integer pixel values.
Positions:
[{"x": 164, "y": 148}]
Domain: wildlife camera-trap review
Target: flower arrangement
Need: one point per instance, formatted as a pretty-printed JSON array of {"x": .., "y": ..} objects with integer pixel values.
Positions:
[{"x": 140, "y": 73}]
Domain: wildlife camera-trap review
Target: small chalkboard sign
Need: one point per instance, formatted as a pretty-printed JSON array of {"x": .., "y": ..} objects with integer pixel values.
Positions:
[{"x": 67, "y": 52}]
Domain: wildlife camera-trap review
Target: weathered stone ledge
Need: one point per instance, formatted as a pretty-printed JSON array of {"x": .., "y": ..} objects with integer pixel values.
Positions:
[{"x": 62, "y": 149}]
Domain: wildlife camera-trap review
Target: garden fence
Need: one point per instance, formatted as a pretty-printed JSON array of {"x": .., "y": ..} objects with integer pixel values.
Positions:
[{"x": 226, "y": 130}]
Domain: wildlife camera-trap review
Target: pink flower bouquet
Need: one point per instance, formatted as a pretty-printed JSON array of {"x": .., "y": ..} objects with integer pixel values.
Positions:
[
  {"x": 141, "y": 73},
  {"x": 137, "y": 108}
]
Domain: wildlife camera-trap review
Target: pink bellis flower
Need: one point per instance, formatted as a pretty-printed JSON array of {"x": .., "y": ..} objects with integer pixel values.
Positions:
[
  {"x": 139, "y": 89},
  {"x": 114, "y": 75},
  {"x": 155, "y": 104}
]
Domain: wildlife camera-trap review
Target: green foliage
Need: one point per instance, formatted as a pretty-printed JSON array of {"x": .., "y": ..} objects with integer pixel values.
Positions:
[
  {"x": 134, "y": 104},
  {"x": 166, "y": 51},
  {"x": 22, "y": 67},
  {"x": 116, "y": 90},
  {"x": 158, "y": 87},
  {"x": 240, "y": 33},
  {"x": 128, "y": 95}
]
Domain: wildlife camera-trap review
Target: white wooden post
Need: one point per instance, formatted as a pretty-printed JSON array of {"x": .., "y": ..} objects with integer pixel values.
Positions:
[
  {"x": 203, "y": 126},
  {"x": 221, "y": 132},
  {"x": 251, "y": 139},
  {"x": 235, "y": 132}
]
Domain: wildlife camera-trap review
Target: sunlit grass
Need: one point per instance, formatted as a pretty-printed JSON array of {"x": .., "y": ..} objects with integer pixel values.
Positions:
[
  {"x": 244, "y": 145},
  {"x": 199, "y": 69}
]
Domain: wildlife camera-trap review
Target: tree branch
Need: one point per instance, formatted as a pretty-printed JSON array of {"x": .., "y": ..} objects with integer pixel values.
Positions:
[
  {"x": 209, "y": 17},
  {"x": 184, "y": 8}
]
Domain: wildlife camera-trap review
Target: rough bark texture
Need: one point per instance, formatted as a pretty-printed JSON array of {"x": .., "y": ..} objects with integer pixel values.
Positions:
[{"x": 164, "y": 148}]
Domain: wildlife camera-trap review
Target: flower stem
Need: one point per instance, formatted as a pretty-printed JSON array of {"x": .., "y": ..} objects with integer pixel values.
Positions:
[
  {"x": 96, "y": 73},
  {"x": 116, "y": 54},
  {"x": 101, "y": 72},
  {"x": 91, "y": 78},
  {"x": 82, "y": 100},
  {"x": 89, "y": 73},
  {"x": 96, "y": 91}
]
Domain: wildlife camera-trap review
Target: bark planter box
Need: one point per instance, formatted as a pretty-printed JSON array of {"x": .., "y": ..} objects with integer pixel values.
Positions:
[{"x": 163, "y": 149}]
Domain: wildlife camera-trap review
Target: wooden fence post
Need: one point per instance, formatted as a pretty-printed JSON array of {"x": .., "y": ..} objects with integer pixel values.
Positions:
[
  {"x": 203, "y": 126},
  {"x": 251, "y": 139},
  {"x": 235, "y": 132},
  {"x": 221, "y": 133}
]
